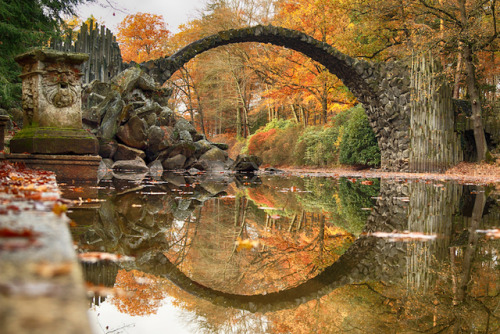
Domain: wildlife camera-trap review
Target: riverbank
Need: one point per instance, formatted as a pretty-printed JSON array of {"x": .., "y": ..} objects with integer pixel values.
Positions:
[{"x": 464, "y": 172}]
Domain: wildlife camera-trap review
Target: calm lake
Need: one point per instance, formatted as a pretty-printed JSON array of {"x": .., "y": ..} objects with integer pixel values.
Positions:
[{"x": 273, "y": 254}]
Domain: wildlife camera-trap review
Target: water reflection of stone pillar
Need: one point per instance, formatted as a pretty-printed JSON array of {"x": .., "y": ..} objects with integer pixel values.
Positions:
[
  {"x": 389, "y": 214},
  {"x": 52, "y": 124},
  {"x": 431, "y": 211}
]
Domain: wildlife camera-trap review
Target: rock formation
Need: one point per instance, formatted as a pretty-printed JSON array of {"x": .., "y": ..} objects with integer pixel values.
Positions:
[{"x": 130, "y": 117}]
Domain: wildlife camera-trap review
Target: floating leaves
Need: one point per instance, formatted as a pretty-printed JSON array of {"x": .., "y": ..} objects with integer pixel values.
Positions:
[
  {"x": 402, "y": 236},
  {"x": 491, "y": 234},
  {"x": 93, "y": 257}
]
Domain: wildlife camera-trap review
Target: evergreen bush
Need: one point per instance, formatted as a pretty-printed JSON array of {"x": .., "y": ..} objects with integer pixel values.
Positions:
[{"x": 359, "y": 145}]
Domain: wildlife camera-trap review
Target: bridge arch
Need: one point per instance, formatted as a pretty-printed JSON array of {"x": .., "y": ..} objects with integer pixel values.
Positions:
[
  {"x": 382, "y": 89},
  {"x": 368, "y": 258}
]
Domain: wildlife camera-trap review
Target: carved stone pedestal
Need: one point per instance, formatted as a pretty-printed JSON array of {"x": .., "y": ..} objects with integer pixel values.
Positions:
[{"x": 52, "y": 133}]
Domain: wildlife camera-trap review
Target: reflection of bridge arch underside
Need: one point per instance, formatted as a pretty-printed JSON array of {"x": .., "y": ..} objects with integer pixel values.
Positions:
[
  {"x": 384, "y": 96},
  {"x": 368, "y": 258},
  {"x": 344, "y": 271}
]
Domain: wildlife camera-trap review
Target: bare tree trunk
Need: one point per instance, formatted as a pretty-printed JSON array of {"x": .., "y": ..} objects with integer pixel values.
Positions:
[
  {"x": 246, "y": 130},
  {"x": 305, "y": 117},
  {"x": 458, "y": 76},
  {"x": 295, "y": 114},
  {"x": 238, "y": 122},
  {"x": 477, "y": 121}
]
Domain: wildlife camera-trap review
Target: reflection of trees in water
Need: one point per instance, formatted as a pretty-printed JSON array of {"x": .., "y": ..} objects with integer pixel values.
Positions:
[
  {"x": 293, "y": 245},
  {"x": 141, "y": 293},
  {"x": 394, "y": 285}
]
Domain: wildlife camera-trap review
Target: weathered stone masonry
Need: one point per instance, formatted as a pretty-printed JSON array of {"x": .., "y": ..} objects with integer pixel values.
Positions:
[{"x": 384, "y": 89}]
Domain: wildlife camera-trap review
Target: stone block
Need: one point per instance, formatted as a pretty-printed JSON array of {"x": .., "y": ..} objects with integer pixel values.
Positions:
[{"x": 54, "y": 141}]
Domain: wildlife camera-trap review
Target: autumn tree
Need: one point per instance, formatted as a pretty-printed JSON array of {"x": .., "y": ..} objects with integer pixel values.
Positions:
[
  {"x": 143, "y": 37},
  {"x": 457, "y": 31},
  {"x": 293, "y": 80},
  {"x": 219, "y": 87}
]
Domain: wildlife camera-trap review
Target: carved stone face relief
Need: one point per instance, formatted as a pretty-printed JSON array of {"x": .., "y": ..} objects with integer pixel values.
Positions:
[{"x": 60, "y": 87}]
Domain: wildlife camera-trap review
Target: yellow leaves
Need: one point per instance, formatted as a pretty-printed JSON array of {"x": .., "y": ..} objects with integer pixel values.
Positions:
[
  {"x": 59, "y": 209},
  {"x": 246, "y": 244}
]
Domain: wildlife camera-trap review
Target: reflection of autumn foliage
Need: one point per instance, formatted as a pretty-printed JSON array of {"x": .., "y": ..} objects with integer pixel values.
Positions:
[
  {"x": 145, "y": 293},
  {"x": 290, "y": 250},
  {"x": 259, "y": 197},
  {"x": 349, "y": 309}
]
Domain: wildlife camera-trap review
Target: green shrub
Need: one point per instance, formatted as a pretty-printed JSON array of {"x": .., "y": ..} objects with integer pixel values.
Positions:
[
  {"x": 359, "y": 145},
  {"x": 321, "y": 147}
]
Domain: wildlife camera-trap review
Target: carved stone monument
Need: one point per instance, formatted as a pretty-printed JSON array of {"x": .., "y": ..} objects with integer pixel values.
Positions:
[
  {"x": 52, "y": 131},
  {"x": 52, "y": 105}
]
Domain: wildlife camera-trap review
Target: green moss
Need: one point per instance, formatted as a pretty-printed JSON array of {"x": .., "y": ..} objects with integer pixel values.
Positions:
[{"x": 52, "y": 132}]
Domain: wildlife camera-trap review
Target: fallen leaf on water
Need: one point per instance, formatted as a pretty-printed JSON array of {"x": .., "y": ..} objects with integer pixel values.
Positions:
[
  {"x": 266, "y": 208},
  {"x": 367, "y": 182},
  {"x": 402, "y": 236},
  {"x": 104, "y": 291},
  {"x": 92, "y": 257},
  {"x": 491, "y": 234},
  {"x": 246, "y": 244}
]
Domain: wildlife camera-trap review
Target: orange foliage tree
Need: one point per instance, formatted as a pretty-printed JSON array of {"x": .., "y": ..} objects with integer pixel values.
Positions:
[{"x": 143, "y": 37}]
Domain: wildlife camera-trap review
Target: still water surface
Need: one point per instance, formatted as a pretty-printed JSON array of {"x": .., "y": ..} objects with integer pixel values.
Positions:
[{"x": 271, "y": 254}]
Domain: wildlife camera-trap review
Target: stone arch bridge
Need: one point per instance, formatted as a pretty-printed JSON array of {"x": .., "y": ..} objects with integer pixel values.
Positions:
[{"x": 407, "y": 141}]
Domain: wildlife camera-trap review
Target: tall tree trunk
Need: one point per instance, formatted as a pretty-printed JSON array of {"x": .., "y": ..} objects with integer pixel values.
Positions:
[
  {"x": 305, "y": 117},
  {"x": 458, "y": 76},
  {"x": 472, "y": 87},
  {"x": 238, "y": 122},
  {"x": 246, "y": 130},
  {"x": 324, "y": 106},
  {"x": 295, "y": 114}
]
